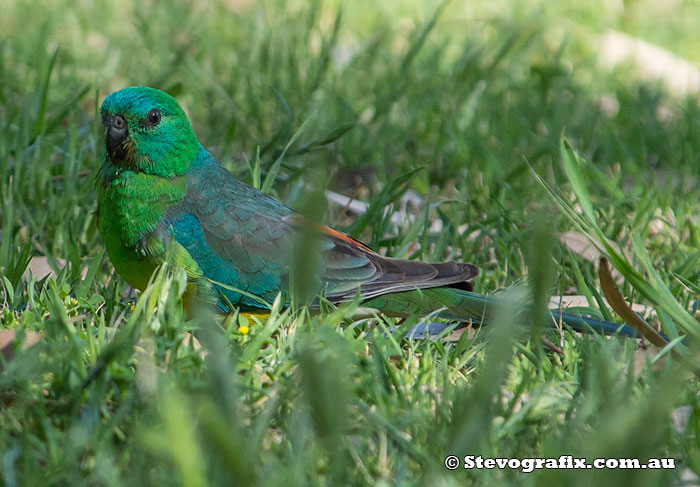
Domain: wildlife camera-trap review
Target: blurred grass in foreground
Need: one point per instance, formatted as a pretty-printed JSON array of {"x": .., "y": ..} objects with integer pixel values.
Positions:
[{"x": 432, "y": 115}]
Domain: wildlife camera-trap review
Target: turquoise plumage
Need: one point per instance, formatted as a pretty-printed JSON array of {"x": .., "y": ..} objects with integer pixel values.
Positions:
[{"x": 158, "y": 187}]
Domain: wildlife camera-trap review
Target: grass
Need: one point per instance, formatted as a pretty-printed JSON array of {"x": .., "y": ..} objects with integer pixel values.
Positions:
[{"x": 463, "y": 105}]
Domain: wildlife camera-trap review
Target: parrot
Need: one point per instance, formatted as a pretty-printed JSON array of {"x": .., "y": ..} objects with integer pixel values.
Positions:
[{"x": 160, "y": 192}]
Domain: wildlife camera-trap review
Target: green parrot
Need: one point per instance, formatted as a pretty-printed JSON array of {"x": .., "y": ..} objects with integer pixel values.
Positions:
[{"x": 158, "y": 187}]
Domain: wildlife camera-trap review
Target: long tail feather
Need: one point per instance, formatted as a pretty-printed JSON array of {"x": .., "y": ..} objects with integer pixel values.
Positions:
[
  {"x": 458, "y": 304},
  {"x": 585, "y": 324}
]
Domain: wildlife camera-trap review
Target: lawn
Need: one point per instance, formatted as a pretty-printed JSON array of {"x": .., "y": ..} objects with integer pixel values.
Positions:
[{"x": 504, "y": 133}]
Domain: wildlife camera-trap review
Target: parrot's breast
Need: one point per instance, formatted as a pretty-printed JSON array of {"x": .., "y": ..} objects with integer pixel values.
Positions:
[{"x": 131, "y": 208}]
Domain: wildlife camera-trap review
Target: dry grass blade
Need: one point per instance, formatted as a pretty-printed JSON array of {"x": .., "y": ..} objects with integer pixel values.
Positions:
[{"x": 618, "y": 303}]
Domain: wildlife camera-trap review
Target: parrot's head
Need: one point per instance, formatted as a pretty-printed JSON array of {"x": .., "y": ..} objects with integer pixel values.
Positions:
[{"x": 147, "y": 131}]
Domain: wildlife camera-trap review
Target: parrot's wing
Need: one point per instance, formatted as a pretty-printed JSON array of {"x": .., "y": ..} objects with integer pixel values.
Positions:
[
  {"x": 243, "y": 238},
  {"x": 235, "y": 233},
  {"x": 382, "y": 275}
]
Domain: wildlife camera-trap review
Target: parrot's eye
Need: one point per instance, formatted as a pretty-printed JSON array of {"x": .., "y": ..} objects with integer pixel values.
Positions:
[{"x": 152, "y": 118}]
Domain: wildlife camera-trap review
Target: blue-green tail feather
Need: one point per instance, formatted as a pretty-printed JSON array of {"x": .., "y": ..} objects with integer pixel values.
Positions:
[{"x": 460, "y": 305}]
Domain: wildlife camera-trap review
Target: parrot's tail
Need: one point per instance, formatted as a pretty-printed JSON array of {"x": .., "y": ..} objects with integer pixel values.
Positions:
[
  {"x": 585, "y": 324},
  {"x": 461, "y": 305}
]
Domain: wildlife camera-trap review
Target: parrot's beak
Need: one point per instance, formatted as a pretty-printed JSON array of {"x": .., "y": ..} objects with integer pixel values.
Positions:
[{"x": 116, "y": 137}]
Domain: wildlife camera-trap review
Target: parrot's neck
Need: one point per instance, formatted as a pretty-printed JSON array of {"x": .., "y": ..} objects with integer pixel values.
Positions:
[{"x": 135, "y": 203}]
